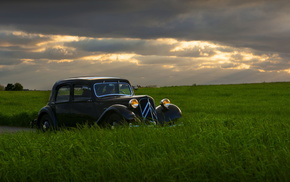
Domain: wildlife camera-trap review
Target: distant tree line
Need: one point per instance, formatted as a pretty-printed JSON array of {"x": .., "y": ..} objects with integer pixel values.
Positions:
[{"x": 12, "y": 87}]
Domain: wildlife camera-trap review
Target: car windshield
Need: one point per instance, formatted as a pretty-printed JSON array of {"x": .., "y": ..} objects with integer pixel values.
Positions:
[{"x": 112, "y": 88}]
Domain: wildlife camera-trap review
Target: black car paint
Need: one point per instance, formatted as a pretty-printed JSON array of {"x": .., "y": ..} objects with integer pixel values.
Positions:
[{"x": 96, "y": 109}]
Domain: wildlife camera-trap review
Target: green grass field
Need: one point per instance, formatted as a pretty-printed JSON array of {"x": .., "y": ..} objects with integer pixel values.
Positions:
[
  {"x": 228, "y": 133},
  {"x": 18, "y": 108}
]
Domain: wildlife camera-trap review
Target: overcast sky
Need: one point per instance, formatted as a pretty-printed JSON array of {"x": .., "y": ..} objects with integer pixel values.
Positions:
[{"x": 158, "y": 42}]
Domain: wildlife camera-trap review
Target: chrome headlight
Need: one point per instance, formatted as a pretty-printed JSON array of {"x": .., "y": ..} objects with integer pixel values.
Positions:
[
  {"x": 134, "y": 103},
  {"x": 165, "y": 103}
]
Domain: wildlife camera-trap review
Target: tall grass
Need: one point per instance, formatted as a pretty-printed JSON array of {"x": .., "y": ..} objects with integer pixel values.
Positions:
[
  {"x": 197, "y": 151},
  {"x": 229, "y": 133}
]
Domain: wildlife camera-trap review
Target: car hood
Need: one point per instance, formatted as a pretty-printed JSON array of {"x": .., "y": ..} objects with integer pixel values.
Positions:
[{"x": 123, "y": 99}]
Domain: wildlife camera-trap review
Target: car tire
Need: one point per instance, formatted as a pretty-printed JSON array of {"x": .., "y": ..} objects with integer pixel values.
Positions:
[
  {"x": 114, "y": 119},
  {"x": 45, "y": 123}
]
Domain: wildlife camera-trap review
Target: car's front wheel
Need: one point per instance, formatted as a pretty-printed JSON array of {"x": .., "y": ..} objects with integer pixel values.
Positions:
[
  {"x": 45, "y": 123},
  {"x": 114, "y": 119}
]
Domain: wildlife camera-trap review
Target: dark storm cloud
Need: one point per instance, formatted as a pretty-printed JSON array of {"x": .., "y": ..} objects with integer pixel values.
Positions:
[
  {"x": 20, "y": 45},
  {"x": 138, "y": 46},
  {"x": 9, "y": 61},
  {"x": 165, "y": 60},
  {"x": 57, "y": 53},
  {"x": 13, "y": 56},
  {"x": 196, "y": 51},
  {"x": 23, "y": 40},
  {"x": 260, "y": 24}
]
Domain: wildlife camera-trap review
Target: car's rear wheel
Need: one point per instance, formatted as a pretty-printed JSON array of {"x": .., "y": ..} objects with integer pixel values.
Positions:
[{"x": 45, "y": 123}]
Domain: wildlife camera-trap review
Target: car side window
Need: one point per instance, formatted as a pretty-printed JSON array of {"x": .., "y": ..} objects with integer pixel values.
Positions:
[
  {"x": 63, "y": 94},
  {"x": 82, "y": 92}
]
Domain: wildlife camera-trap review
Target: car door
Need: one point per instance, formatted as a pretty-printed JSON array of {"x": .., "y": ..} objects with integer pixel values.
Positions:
[
  {"x": 62, "y": 104},
  {"x": 82, "y": 107}
]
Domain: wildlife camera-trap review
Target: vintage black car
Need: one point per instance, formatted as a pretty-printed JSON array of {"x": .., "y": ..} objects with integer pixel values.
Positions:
[{"x": 106, "y": 101}]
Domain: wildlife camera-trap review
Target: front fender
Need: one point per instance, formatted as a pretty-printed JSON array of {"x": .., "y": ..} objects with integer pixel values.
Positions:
[
  {"x": 168, "y": 114},
  {"x": 47, "y": 110},
  {"x": 119, "y": 109}
]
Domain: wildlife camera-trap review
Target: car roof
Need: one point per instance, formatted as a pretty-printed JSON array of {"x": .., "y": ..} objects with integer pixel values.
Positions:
[
  {"x": 93, "y": 78},
  {"x": 89, "y": 79}
]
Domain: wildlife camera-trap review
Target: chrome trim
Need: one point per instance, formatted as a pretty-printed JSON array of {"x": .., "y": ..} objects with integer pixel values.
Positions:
[{"x": 148, "y": 110}]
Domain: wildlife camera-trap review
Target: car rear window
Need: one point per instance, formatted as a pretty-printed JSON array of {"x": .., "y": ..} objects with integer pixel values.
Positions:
[{"x": 63, "y": 94}]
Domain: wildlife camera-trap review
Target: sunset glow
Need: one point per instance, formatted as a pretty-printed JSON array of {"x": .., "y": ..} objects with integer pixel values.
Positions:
[{"x": 209, "y": 55}]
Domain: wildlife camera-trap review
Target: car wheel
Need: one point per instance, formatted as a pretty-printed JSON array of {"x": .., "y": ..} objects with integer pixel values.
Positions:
[
  {"x": 114, "y": 120},
  {"x": 45, "y": 123}
]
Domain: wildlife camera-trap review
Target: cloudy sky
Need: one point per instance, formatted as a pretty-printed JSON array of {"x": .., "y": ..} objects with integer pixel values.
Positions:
[{"x": 152, "y": 42}]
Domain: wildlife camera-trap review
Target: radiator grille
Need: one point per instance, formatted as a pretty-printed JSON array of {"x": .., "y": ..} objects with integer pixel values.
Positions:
[{"x": 147, "y": 109}]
